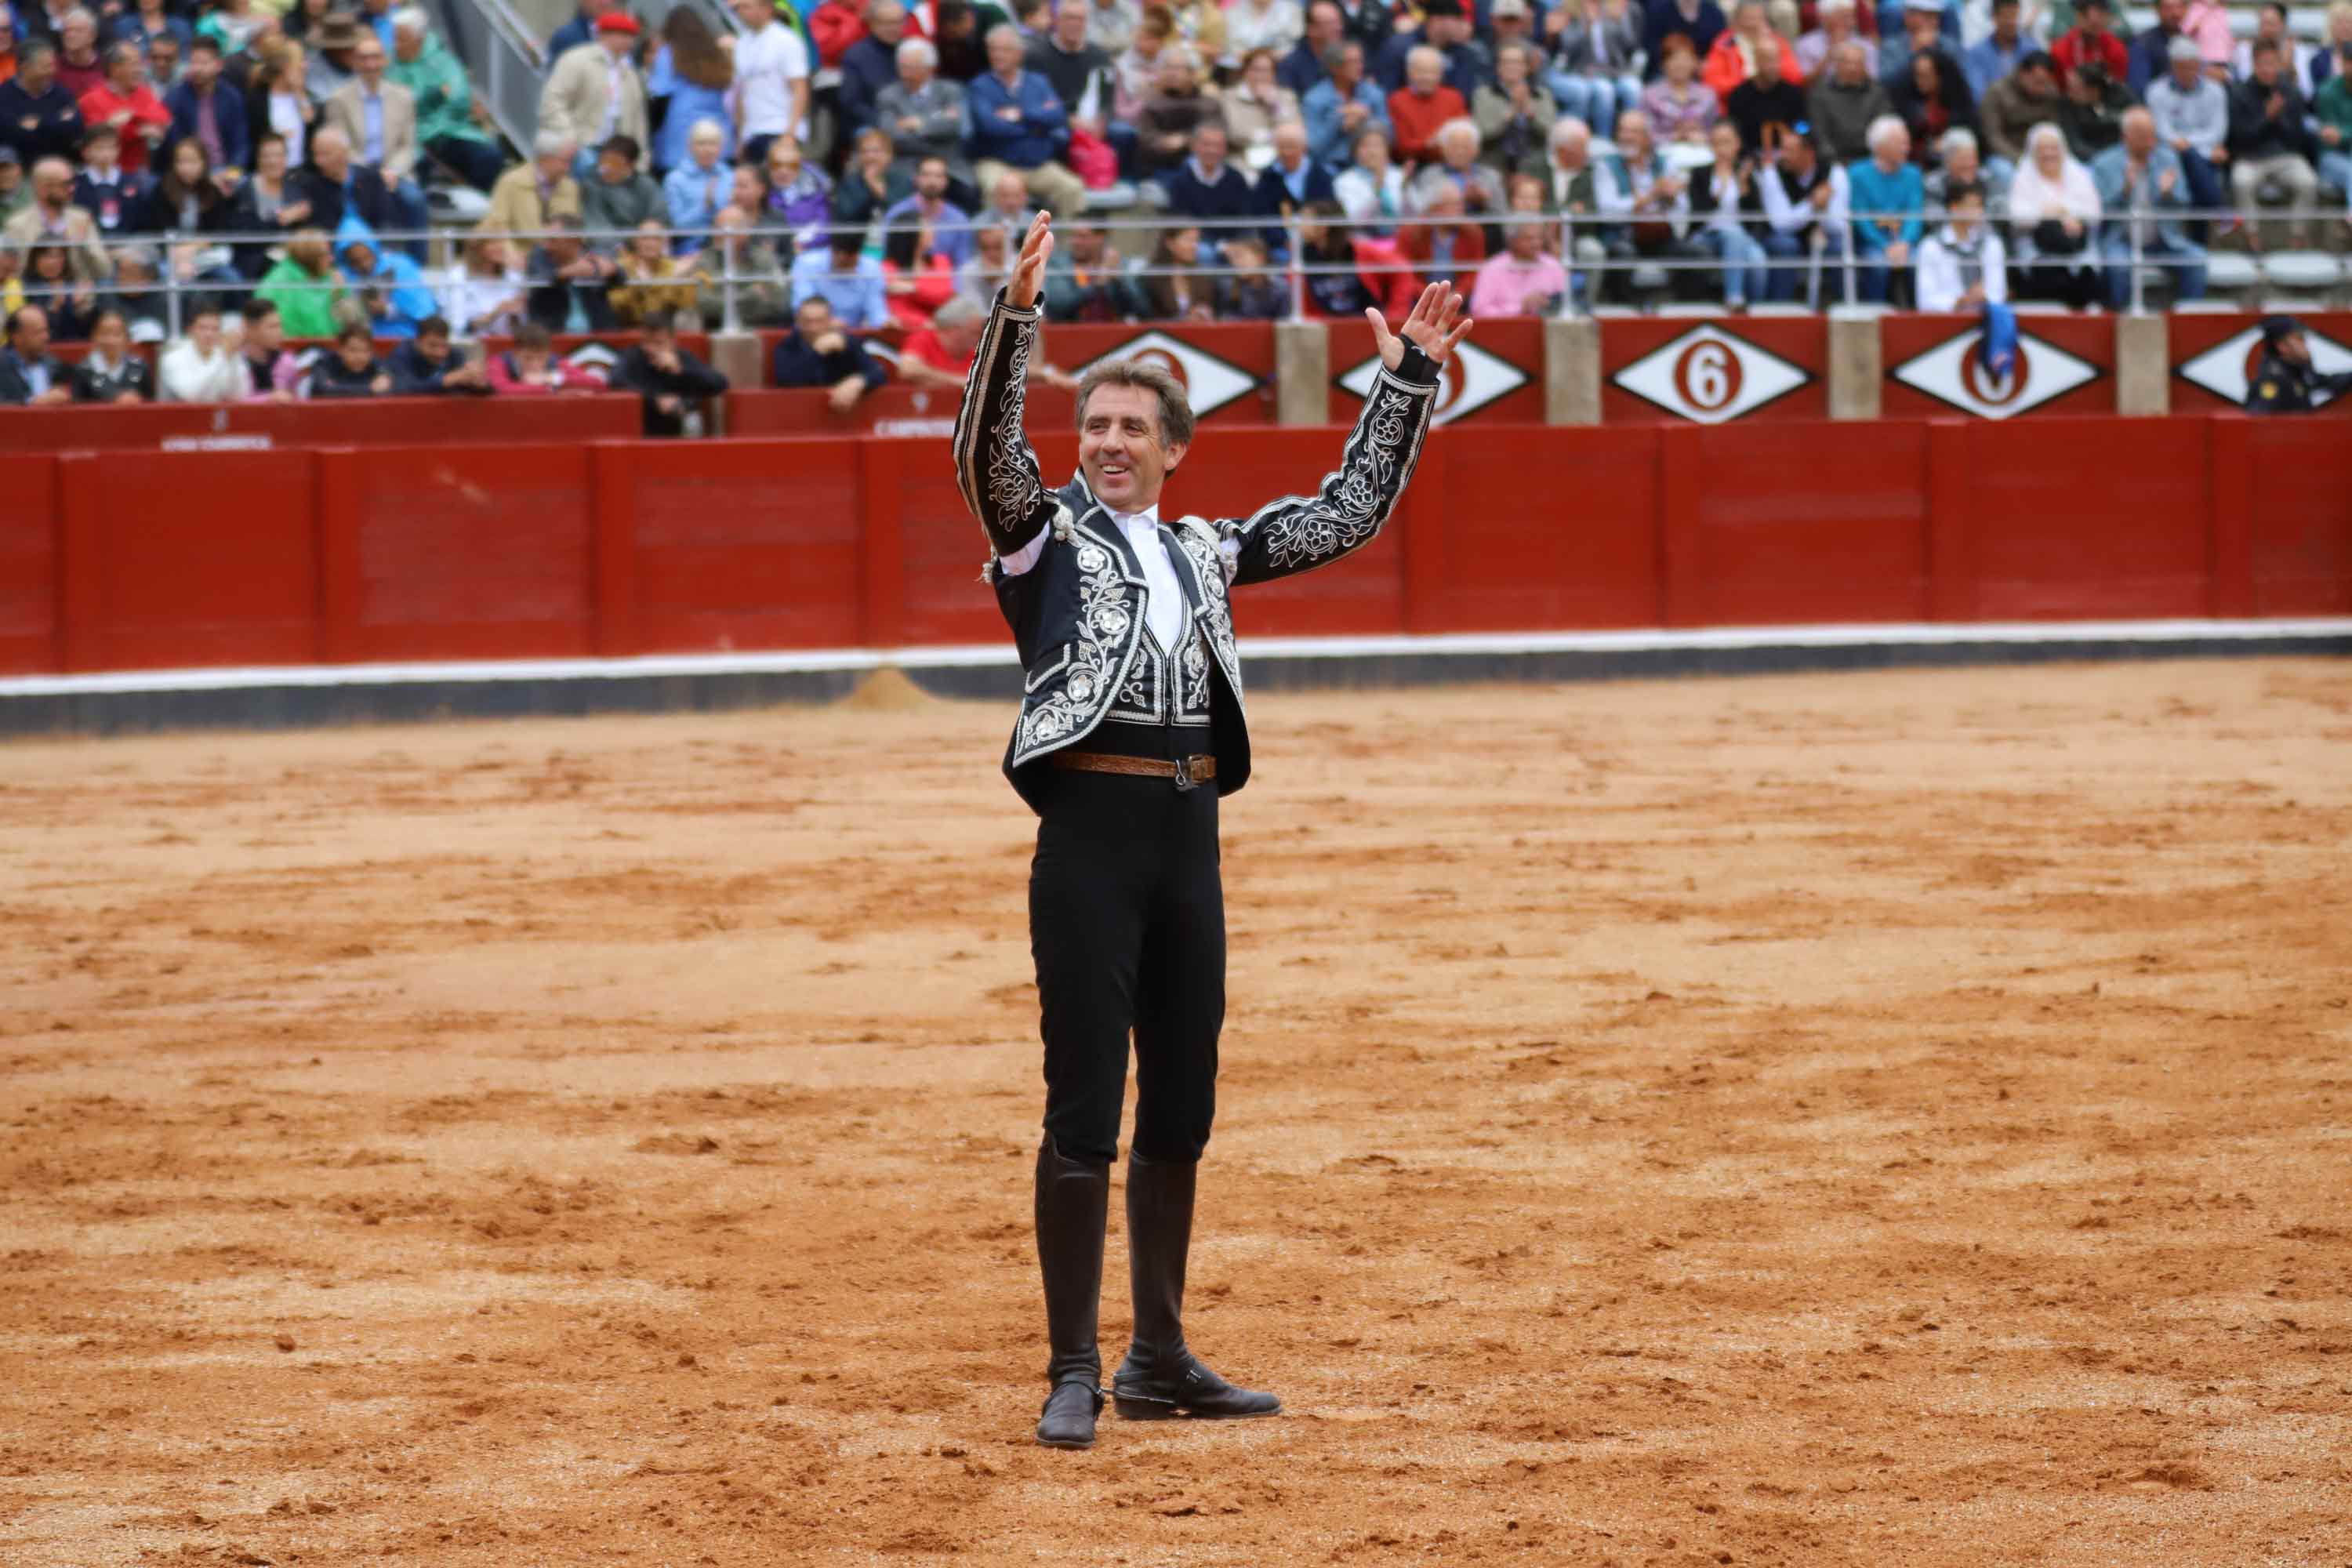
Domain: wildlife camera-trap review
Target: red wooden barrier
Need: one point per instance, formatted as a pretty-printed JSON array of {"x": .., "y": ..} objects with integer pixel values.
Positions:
[
  {"x": 623, "y": 547},
  {"x": 360, "y": 422},
  {"x": 892, "y": 410}
]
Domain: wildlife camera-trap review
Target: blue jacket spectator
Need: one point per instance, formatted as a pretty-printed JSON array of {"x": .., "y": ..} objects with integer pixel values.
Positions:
[
  {"x": 1989, "y": 60},
  {"x": 950, "y": 226},
  {"x": 390, "y": 284},
  {"x": 691, "y": 101},
  {"x": 1301, "y": 70},
  {"x": 1034, "y": 133},
  {"x": 1291, "y": 181},
  {"x": 1879, "y": 191},
  {"x": 849, "y": 282},
  {"x": 229, "y": 123},
  {"x": 695, "y": 190},
  {"x": 1206, "y": 186},
  {"x": 1328, "y": 140}
]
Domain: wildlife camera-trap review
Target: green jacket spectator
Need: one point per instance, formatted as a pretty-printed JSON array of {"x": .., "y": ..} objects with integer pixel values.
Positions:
[
  {"x": 304, "y": 290},
  {"x": 446, "y": 129}
]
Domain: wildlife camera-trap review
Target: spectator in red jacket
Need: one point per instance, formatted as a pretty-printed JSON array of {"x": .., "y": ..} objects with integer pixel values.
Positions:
[
  {"x": 1422, "y": 105},
  {"x": 126, "y": 102},
  {"x": 833, "y": 26},
  {"x": 531, "y": 369},
  {"x": 1350, "y": 273},
  {"x": 1739, "y": 48},
  {"x": 2092, "y": 39}
]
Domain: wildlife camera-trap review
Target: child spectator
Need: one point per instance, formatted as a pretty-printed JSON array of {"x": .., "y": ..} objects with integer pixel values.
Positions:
[
  {"x": 111, "y": 373},
  {"x": 531, "y": 369},
  {"x": 352, "y": 370}
]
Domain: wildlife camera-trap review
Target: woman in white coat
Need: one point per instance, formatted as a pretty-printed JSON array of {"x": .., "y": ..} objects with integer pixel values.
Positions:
[{"x": 2053, "y": 209}]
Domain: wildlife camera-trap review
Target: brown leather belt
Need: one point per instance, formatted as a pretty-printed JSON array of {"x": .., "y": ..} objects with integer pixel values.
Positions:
[{"x": 1190, "y": 770}]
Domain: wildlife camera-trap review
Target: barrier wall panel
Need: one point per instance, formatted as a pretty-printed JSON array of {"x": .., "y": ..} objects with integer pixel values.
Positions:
[
  {"x": 29, "y": 525},
  {"x": 941, "y": 548},
  {"x": 2302, "y": 524},
  {"x": 1776, "y": 543},
  {"x": 745, "y": 545},
  {"x": 1940, "y": 353},
  {"x": 196, "y": 558},
  {"x": 1685, "y": 370},
  {"x": 894, "y": 411},
  {"x": 371, "y": 422},
  {"x": 1536, "y": 528},
  {"x": 466, "y": 553},
  {"x": 2090, "y": 518}
]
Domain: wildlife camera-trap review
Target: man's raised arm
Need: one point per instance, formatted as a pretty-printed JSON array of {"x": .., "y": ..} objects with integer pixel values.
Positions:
[
  {"x": 995, "y": 465},
  {"x": 1298, "y": 533}
]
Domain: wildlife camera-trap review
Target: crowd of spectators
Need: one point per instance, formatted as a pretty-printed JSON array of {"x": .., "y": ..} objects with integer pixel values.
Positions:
[{"x": 264, "y": 166}]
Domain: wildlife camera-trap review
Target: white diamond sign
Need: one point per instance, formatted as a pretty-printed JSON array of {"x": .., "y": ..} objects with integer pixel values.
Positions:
[
  {"x": 1472, "y": 379},
  {"x": 1955, "y": 370},
  {"x": 1709, "y": 375},
  {"x": 2223, "y": 368},
  {"x": 1209, "y": 382}
]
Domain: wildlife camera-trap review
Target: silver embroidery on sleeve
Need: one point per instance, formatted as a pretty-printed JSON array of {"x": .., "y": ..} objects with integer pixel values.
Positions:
[
  {"x": 1319, "y": 531},
  {"x": 1013, "y": 482},
  {"x": 1208, "y": 555}
]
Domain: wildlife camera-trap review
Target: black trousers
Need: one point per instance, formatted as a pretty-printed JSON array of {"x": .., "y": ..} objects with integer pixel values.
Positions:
[{"x": 1127, "y": 924}]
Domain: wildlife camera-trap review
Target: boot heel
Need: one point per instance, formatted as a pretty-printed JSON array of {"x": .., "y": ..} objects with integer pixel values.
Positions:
[{"x": 1143, "y": 1409}]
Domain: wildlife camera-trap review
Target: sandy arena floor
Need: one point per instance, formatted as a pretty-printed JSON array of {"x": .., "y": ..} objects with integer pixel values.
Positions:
[{"x": 1858, "y": 1119}]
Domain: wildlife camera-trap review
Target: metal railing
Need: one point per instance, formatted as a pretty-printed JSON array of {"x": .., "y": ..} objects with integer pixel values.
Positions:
[
  {"x": 506, "y": 64},
  {"x": 1585, "y": 269}
]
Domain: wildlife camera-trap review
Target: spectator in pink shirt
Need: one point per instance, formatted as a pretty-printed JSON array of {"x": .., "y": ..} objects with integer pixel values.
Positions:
[
  {"x": 2207, "y": 22},
  {"x": 1524, "y": 280},
  {"x": 530, "y": 367}
]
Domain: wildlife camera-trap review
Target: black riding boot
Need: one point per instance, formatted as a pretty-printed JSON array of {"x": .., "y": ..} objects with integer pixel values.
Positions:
[
  {"x": 1159, "y": 1377},
  {"x": 1073, "y": 1203}
]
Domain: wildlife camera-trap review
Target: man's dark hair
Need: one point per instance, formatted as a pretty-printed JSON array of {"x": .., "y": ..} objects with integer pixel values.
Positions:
[
  {"x": 355, "y": 329},
  {"x": 2266, "y": 46},
  {"x": 99, "y": 132},
  {"x": 204, "y": 43},
  {"x": 33, "y": 50},
  {"x": 659, "y": 322},
  {"x": 258, "y": 308},
  {"x": 532, "y": 335},
  {"x": 2038, "y": 59},
  {"x": 1961, "y": 190},
  {"x": 845, "y": 240},
  {"x": 1175, "y": 409},
  {"x": 626, "y": 146},
  {"x": 433, "y": 327},
  {"x": 120, "y": 316}
]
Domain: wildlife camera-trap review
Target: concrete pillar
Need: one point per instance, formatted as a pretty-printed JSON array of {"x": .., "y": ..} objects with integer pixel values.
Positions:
[
  {"x": 1302, "y": 372},
  {"x": 736, "y": 356},
  {"x": 1855, "y": 365},
  {"x": 1571, "y": 371},
  {"x": 2143, "y": 365}
]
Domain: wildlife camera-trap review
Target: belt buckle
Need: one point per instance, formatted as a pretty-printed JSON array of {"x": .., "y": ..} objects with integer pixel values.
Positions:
[{"x": 1184, "y": 779}]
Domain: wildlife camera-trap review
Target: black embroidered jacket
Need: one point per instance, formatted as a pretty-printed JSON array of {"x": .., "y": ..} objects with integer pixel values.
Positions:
[{"x": 1077, "y": 615}]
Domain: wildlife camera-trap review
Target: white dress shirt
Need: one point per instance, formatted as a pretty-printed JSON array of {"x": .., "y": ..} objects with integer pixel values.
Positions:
[{"x": 1164, "y": 608}]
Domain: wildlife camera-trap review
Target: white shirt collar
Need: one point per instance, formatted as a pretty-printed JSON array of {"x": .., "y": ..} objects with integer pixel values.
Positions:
[{"x": 1149, "y": 518}]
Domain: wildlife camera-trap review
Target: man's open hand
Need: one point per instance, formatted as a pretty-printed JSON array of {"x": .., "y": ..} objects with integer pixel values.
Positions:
[
  {"x": 1029, "y": 272},
  {"x": 1435, "y": 325}
]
